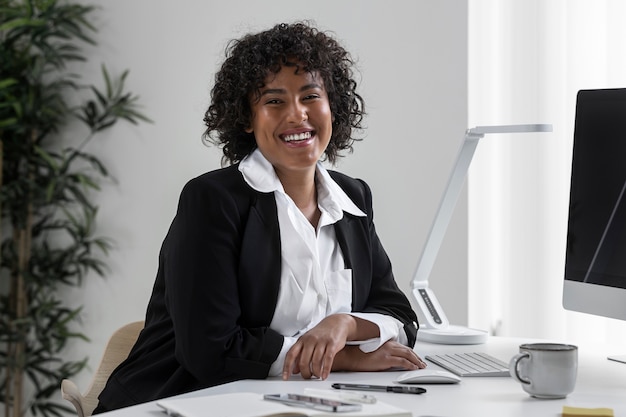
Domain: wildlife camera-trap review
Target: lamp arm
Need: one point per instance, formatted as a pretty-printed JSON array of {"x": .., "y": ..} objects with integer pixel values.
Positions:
[{"x": 430, "y": 313}]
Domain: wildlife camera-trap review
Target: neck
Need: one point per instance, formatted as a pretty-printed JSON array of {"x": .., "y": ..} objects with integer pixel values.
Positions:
[{"x": 303, "y": 192}]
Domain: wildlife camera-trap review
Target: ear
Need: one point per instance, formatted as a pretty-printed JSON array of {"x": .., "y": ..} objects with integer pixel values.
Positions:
[{"x": 249, "y": 129}]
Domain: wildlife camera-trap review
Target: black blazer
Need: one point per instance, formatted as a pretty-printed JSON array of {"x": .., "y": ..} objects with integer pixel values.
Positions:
[{"x": 217, "y": 284}]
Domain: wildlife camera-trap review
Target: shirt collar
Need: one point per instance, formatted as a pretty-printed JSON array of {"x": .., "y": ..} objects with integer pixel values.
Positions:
[{"x": 259, "y": 173}]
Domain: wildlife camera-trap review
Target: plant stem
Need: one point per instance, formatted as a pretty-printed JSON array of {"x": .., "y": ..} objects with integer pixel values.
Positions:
[
  {"x": 20, "y": 310},
  {"x": 24, "y": 250},
  {"x": 80, "y": 147},
  {"x": 8, "y": 371}
]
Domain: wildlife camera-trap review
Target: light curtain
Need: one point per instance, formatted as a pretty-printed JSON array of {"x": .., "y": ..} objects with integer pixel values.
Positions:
[{"x": 527, "y": 60}]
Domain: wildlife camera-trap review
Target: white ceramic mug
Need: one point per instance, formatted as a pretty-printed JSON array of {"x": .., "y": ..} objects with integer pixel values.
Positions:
[{"x": 545, "y": 370}]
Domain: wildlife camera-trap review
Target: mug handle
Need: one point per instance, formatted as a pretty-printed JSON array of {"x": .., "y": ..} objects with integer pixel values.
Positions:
[{"x": 514, "y": 364}]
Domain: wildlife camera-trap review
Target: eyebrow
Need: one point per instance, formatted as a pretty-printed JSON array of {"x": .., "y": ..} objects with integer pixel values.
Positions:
[{"x": 283, "y": 91}]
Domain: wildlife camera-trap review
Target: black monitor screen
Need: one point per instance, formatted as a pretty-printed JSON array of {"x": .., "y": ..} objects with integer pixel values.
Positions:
[{"x": 596, "y": 239}]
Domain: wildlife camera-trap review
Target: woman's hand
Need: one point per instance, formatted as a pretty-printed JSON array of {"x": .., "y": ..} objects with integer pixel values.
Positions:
[
  {"x": 323, "y": 348},
  {"x": 314, "y": 352},
  {"x": 390, "y": 355}
]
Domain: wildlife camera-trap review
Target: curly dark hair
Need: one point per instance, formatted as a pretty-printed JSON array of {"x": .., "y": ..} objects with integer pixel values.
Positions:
[{"x": 251, "y": 59}]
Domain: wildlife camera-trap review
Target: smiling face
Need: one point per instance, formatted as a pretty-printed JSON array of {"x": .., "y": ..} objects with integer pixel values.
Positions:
[{"x": 292, "y": 121}]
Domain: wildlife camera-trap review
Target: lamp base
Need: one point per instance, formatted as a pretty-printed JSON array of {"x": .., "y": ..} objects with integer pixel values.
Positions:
[
  {"x": 453, "y": 335},
  {"x": 617, "y": 358}
]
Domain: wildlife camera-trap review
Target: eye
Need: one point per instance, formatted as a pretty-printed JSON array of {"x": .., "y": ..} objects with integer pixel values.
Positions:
[{"x": 311, "y": 96}]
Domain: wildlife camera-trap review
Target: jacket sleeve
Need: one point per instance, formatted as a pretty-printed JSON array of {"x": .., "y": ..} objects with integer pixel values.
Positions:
[
  {"x": 201, "y": 264},
  {"x": 385, "y": 295},
  {"x": 374, "y": 287}
]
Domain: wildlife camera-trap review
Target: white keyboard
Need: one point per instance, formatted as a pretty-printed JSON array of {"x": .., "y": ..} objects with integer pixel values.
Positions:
[{"x": 471, "y": 364}]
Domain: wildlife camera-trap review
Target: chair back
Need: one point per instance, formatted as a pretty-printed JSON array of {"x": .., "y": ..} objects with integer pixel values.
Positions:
[{"x": 117, "y": 349}]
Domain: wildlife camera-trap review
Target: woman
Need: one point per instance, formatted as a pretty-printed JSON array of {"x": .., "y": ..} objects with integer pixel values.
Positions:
[{"x": 272, "y": 265}]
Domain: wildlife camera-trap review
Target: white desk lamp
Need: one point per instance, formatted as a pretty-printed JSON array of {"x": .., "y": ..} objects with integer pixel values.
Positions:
[{"x": 434, "y": 325}]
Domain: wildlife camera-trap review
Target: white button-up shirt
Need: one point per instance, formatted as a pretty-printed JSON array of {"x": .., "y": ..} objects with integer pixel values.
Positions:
[{"x": 314, "y": 282}]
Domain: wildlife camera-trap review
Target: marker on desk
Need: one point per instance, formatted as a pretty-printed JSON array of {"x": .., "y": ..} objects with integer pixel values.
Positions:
[
  {"x": 346, "y": 395},
  {"x": 384, "y": 388}
]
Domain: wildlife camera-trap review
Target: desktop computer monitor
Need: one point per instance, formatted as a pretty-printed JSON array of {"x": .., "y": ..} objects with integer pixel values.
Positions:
[{"x": 595, "y": 262}]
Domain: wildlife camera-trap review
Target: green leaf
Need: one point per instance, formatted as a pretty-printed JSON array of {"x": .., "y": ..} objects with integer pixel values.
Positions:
[
  {"x": 21, "y": 22},
  {"x": 107, "y": 81},
  {"x": 48, "y": 158},
  {"x": 7, "y": 82},
  {"x": 49, "y": 181},
  {"x": 8, "y": 122}
]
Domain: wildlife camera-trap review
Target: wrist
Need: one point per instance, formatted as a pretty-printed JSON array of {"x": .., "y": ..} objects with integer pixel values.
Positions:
[
  {"x": 364, "y": 329},
  {"x": 348, "y": 323},
  {"x": 347, "y": 359}
]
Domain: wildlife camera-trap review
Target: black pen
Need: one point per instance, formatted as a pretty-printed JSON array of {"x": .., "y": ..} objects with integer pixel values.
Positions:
[{"x": 385, "y": 388}]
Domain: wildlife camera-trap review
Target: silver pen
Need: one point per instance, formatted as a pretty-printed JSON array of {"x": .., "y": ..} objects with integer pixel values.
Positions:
[{"x": 349, "y": 396}]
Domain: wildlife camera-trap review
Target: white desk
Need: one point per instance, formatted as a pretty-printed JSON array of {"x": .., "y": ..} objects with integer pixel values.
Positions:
[{"x": 600, "y": 383}]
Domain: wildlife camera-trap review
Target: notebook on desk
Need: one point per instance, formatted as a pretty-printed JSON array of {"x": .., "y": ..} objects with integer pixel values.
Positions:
[{"x": 247, "y": 404}]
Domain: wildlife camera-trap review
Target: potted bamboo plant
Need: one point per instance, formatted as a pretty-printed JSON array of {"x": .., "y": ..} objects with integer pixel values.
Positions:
[{"x": 48, "y": 179}]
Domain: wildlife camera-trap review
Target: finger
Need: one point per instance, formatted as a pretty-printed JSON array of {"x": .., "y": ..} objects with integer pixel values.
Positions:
[
  {"x": 405, "y": 363},
  {"x": 317, "y": 361},
  {"x": 329, "y": 358},
  {"x": 291, "y": 360},
  {"x": 304, "y": 362},
  {"x": 420, "y": 362},
  {"x": 413, "y": 358},
  {"x": 296, "y": 369},
  {"x": 417, "y": 360}
]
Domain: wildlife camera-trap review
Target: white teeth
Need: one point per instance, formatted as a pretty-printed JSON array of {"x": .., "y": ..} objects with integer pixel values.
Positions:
[{"x": 297, "y": 136}]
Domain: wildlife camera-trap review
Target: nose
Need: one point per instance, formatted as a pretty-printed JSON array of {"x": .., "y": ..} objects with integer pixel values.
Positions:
[{"x": 297, "y": 112}]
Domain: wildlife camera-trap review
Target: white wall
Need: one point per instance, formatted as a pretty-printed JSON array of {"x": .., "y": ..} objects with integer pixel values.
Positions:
[{"x": 412, "y": 56}]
